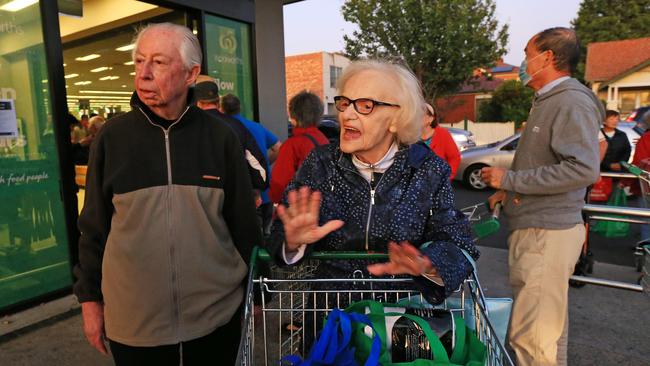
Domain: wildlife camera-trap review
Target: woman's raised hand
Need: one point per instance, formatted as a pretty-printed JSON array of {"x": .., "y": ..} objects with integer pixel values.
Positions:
[{"x": 300, "y": 219}]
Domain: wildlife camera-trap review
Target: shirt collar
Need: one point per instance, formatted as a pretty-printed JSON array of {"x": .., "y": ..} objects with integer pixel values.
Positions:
[
  {"x": 381, "y": 166},
  {"x": 547, "y": 88}
]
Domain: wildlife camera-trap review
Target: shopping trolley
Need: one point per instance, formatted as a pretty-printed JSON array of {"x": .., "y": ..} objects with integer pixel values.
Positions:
[
  {"x": 288, "y": 322},
  {"x": 631, "y": 215}
]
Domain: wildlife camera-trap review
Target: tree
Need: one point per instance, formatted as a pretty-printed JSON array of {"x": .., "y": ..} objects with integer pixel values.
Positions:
[
  {"x": 511, "y": 101},
  {"x": 442, "y": 41},
  {"x": 609, "y": 20}
]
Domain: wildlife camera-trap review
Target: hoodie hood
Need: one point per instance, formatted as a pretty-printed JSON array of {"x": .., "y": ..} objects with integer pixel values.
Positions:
[{"x": 572, "y": 84}]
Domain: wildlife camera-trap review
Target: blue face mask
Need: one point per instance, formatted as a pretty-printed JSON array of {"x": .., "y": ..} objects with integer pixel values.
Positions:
[{"x": 523, "y": 74}]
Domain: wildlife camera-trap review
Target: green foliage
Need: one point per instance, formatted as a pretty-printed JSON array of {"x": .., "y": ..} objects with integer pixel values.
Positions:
[
  {"x": 610, "y": 20},
  {"x": 442, "y": 41},
  {"x": 511, "y": 101}
]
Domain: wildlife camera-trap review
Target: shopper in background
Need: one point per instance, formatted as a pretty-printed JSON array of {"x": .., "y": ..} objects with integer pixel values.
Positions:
[
  {"x": 618, "y": 146},
  {"x": 440, "y": 140},
  {"x": 268, "y": 144},
  {"x": 305, "y": 113}
]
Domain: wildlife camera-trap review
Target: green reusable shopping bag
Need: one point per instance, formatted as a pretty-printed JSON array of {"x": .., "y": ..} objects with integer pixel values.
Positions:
[
  {"x": 613, "y": 229},
  {"x": 468, "y": 350}
]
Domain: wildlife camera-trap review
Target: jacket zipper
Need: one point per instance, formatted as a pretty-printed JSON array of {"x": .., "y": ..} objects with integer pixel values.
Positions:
[
  {"x": 172, "y": 249},
  {"x": 372, "y": 199}
]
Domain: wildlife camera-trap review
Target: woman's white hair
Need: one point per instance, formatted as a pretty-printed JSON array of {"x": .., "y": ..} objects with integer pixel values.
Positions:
[
  {"x": 190, "y": 49},
  {"x": 407, "y": 91}
]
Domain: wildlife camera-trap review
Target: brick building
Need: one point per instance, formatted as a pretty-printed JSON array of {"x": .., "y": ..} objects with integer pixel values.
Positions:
[
  {"x": 316, "y": 72},
  {"x": 465, "y": 103}
]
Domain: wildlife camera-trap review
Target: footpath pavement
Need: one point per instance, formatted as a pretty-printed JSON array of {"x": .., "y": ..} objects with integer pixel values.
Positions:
[{"x": 607, "y": 326}]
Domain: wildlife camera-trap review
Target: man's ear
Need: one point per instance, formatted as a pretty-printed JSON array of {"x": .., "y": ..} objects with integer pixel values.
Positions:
[{"x": 193, "y": 74}]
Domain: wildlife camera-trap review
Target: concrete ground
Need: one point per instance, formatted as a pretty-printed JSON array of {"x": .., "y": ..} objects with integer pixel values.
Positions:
[{"x": 607, "y": 326}]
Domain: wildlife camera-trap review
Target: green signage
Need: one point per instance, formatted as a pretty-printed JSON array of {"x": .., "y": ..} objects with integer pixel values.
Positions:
[
  {"x": 229, "y": 59},
  {"x": 33, "y": 241}
]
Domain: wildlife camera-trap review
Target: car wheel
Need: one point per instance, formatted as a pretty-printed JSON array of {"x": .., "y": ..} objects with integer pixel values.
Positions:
[{"x": 472, "y": 177}]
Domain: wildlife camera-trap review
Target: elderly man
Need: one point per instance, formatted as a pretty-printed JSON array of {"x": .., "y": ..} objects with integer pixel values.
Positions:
[
  {"x": 168, "y": 221},
  {"x": 543, "y": 195}
]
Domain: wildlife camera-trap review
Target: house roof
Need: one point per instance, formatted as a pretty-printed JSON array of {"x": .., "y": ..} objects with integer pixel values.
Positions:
[
  {"x": 609, "y": 60},
  {"x": 480, "y": 84}
]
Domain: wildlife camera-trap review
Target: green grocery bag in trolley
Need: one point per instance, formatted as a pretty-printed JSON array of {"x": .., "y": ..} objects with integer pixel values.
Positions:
[
  {"x": 468, "y": 349},
  {"x": 613, "y": 229}
]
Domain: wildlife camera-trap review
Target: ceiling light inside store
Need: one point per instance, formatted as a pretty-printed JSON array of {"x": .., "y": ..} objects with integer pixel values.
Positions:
[
  {"x": 88, "y": 58},
  {"x": 17, "y": 5},
  {"x": 128, "y": 47},
  {"x": 109, "y": 78},
  {"x": 100, "y": 69},
  {"x": 128, "y": 63},
  {"x": 82, "y": 82},
  {"x": 132, "y": 73},
  {"x": 104, "y": 92},
  {"x": 70, "y": 76}
]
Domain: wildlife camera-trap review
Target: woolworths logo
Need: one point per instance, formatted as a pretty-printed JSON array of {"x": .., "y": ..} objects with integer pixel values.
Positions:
[{"x": 227, "y": 40}]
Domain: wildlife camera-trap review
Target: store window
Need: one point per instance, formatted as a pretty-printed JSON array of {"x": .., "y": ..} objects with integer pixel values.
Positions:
[
  {"x": 33, "y": 241},
  {"x": 228, "y": 58},
  {"x": 335, "y": 74}
]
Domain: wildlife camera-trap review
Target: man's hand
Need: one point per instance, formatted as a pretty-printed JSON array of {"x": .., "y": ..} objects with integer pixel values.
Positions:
[
  {"x": 498, "y": 197},
  {"x": 616, "y": 167},
  {"x": 493, "y": 176},
  {"x": 93, "y": 317},
  {"x": 404, "y": 258},
  {"x": 300, "y": 220}
]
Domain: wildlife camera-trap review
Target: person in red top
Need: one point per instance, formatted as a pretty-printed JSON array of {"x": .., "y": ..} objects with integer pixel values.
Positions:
[
  {"x": 305, "y": 112},
  {"x": 440, "y": 140}
]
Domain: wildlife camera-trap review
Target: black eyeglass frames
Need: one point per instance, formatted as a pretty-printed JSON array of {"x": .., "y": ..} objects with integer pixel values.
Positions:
[{"x": 361, "y": 105}]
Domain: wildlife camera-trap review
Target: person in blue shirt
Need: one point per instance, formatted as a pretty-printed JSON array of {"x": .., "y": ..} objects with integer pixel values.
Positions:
[{"x": 267, "y": 142}]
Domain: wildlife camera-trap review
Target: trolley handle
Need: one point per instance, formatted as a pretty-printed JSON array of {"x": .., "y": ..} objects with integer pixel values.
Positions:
[
  {"x": 632, "y": 168},
  {"x": 263, "y": 255}
]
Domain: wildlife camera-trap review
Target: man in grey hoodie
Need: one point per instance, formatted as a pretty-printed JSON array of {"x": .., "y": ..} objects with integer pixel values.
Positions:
[{"x": 543, "y": 195}]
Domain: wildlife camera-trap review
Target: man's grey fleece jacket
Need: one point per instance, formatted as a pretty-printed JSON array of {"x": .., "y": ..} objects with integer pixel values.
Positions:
[{"x": 557, "y": 158}]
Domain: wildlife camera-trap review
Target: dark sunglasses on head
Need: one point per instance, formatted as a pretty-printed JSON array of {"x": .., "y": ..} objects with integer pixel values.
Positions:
[{"x": 361, "y": 105}]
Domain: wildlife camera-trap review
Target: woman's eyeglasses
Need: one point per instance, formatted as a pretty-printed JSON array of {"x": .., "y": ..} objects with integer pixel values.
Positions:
[{"x": 361, "y": 105}]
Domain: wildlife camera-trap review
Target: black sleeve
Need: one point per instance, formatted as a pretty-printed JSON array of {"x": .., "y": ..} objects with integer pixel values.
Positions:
[
  {"x": 94, "y": 225},
  {"x": 239, "y": 206}
]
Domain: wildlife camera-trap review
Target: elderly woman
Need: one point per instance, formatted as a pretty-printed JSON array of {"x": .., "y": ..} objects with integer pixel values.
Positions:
[{"x": 379, "y": 190}]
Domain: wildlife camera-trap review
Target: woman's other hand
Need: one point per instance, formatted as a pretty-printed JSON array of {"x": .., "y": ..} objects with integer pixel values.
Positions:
[
  {"x": 300, "y": 219},
  {"x": 404, "y": 258}
]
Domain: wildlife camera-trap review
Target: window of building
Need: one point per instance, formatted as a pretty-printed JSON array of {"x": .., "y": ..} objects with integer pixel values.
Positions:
[{"x": 335, "y": 74}]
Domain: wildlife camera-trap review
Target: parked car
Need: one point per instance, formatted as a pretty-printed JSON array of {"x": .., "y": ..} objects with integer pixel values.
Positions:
[
  {"x": 464, "y": 139},
  {"x": 497, "y": 154},
  {"x": 637, "y": 115},
  {"x": 329, "y": 126},
  {"x": 633, "y": 132}
]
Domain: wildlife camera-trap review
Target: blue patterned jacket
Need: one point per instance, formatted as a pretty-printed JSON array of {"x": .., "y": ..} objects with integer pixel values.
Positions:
[{"x": 413, "y": 201}]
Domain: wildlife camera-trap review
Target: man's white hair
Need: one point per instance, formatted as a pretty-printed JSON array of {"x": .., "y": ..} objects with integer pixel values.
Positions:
[{"x": 190, "y": 49}]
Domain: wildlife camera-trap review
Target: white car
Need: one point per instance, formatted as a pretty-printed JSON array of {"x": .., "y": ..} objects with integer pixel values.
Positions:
[{"x": 497, "y": 154}]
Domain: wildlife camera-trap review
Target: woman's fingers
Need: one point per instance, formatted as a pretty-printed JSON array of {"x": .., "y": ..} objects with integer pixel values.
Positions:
[{"x": 403, "y": 258}]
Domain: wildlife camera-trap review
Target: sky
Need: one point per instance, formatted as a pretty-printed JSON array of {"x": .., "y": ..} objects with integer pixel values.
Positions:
[{"x": 317, "y": 25}]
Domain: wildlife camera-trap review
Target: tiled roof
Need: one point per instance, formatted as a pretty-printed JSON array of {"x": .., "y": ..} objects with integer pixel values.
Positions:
[
  {"x": 607, "y": 60},
  {"x": 480, "y": 84}
]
